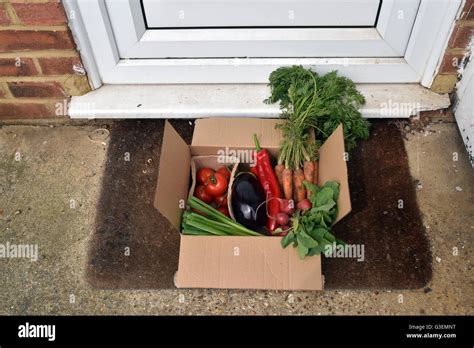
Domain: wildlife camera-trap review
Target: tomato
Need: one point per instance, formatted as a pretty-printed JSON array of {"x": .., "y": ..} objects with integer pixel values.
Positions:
[
  {"x": 200, "y": 193},
  {"x": 216, "y": 185},
  {"x": 224, "y": 171},
  {"x": 221, "y": 201},
  {"x": 224, "y": 211},
  {"x": 203, "y": 175}
]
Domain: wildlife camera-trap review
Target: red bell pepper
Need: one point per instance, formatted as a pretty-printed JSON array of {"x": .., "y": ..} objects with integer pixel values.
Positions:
[{"x": 269, "y": 182}]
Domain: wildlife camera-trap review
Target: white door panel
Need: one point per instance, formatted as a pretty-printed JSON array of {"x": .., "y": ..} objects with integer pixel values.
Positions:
[
  {"x": 403, "y": 47},
  {"x": 135, "y": 40},
  {"x": 258, "y": 13}
]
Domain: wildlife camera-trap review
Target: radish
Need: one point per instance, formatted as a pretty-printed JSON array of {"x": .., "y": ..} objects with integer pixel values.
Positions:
[
  {"x": 304, "y": 204},
  {"x": 282, "y": 219},
  {"x": 287, "y": 206}
]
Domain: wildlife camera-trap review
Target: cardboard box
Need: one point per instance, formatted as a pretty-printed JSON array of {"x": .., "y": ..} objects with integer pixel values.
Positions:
[{"x": 239, "y": 262}]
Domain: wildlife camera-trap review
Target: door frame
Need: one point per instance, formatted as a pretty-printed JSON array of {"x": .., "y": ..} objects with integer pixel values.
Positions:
[
  {"x": 388, "y": 39},
  {"x": 91, "y": 25}
]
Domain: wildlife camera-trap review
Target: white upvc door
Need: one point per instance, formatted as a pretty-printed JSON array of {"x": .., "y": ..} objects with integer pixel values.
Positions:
[
  {"x": 242, "y": 41},
  {"x": 261, "y": 28}
]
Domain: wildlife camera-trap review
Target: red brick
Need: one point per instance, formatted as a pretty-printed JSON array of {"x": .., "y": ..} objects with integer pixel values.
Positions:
[
  {"x": 451, "y": 63},
  {"x": 461, "y": 37},
  {"x": 36, "y": 89},
  {"x": 468, "y": 10},
  {"x": 11, "y": 111},
  {"x": 59, "y": 66},
  {"x": 470, "y": 13},
  {"x": 8, "y": 67},
  {"x": 29, "y": 40},
  {"x": 4, "y": 19},
  {"x": 51, "y": 13}
]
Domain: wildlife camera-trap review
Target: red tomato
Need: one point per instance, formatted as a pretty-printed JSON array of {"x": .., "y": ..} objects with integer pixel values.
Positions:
[
  {"x": 224, "y": 211},
  {"x": 200, "y": 193},
  {"x": 224, "y": 171},
  {"x": 221, "y": 201},
  {"x": 216, "y": 185},
  {"x": 203, "y": 175}
]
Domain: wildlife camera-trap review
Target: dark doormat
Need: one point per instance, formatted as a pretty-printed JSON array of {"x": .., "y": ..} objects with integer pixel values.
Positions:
[
  {"x": 134, "y": 247},
  {"x": 385, "y": 218}
]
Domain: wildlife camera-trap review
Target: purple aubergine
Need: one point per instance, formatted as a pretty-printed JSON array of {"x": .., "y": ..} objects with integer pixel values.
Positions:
[{"x": 248, "y": 201}]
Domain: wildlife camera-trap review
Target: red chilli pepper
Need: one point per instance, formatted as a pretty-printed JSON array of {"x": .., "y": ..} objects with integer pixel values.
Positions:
[
  {"x": 269, "y": 182},
  {"x": 254, "y": 170}
]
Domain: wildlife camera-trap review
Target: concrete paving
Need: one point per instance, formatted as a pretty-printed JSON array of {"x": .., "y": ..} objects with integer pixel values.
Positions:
[{"x": 50, "y": 182}]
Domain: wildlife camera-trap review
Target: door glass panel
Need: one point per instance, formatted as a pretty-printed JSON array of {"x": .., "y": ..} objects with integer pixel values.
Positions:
[{"x": 260, "y": 13}]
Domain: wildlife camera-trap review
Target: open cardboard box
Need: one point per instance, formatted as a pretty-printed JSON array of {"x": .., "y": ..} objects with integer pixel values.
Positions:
[{"x": 239, "y": 262}]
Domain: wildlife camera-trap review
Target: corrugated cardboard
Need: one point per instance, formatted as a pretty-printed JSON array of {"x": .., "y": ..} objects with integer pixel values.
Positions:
[
  {"x": 240, "y": 262},
  {"x": 244, "y": 263},
  {"x": 333, "y": 167},
  {"x": 173, "y": 176}
]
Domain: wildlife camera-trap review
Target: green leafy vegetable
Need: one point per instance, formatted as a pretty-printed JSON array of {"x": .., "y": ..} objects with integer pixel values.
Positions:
[
  {"x": 310, "y": 231},
  {"x": 319, "y": 102}
]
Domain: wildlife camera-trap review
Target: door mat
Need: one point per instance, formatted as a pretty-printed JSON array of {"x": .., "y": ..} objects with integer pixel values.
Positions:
[
  {"x": 385, "y": 219},
  {"x": 134, "y": 247}
]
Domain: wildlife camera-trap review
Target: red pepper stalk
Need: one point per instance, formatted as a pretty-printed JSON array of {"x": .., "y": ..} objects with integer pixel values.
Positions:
[{"x": 269, "y": 182}]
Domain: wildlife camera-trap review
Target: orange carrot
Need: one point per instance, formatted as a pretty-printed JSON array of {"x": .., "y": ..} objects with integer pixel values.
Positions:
[
  {"x": 308, "y": 170},
  {"x": 315, "y": 175},
  {"x": 287, "y": 180},
  {"x": 279, "y": 168},
  {"x": 299, "y": 190}
]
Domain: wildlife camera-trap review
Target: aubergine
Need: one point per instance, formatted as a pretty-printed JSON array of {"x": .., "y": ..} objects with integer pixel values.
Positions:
[{"x": 249, "y": 201}]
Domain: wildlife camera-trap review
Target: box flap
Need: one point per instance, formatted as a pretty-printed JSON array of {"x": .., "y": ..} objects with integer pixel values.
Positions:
[
  {"x": 235, "y": 132},
  {"x": 245, "y": 263},
  {"x": 173, "y": 176},
  {"x": 333, "y": 166}
]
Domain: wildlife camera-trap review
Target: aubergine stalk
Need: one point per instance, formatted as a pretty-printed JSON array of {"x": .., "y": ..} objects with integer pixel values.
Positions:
[{"x": 249, "y": 202}]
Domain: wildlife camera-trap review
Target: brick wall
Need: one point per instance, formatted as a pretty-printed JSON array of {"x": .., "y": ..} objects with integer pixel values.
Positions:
[
  {"x": 457, "y": 53},
  {"x": 39, "y": 65}
]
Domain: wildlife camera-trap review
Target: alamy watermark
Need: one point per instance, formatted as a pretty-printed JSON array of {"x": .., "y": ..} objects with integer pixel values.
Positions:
[
  {"x": 37, "y": 331},
  {"x": 231, "y": 156},
  {"x": 356, "y": 251},
  {"x": 397, "y": 109},
  {"x": 13, "y": 251}
]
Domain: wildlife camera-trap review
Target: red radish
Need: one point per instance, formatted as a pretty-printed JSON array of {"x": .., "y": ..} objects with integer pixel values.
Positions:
[
  {"x": 282, "y": 219},
  {"x": 304, "y": 204},
  {"x": 287, "y": 206},
  {"x": 282, "y": 234},
  {"x": 285, "y": 228}
]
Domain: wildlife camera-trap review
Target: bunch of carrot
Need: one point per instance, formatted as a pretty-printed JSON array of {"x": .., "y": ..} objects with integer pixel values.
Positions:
[
  {"x": 298, "y": 151},
  {"x": 291, "y": 180}
]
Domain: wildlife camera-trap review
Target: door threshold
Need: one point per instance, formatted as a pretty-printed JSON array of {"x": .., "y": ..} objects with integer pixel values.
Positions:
[{"x": 236, "y": 100}]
